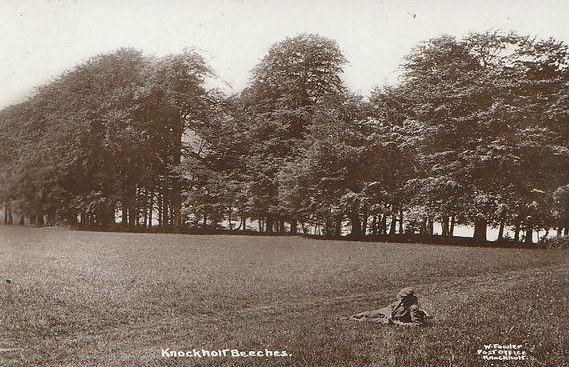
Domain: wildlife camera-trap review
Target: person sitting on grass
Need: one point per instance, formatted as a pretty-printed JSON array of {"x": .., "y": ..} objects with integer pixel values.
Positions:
[{"x": 404, "y": 311}]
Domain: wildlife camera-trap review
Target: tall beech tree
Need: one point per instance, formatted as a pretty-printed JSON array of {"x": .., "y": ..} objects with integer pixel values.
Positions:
[
  {"x": 286, "y": 86},
  {"x": 448, "y": 89},
  {"x": 326, "y": 183},
  {"x": 482, "y": 106},
  {"x": 93, "y": 135},
  {"x": 177, "y": 103}
]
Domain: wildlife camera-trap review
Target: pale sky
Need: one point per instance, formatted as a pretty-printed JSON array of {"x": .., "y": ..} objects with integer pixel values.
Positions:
[{"x": 39, "y": 39}]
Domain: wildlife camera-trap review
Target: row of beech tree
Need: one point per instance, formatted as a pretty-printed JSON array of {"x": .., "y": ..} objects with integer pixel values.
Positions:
[{"x": 475, "y": 132}]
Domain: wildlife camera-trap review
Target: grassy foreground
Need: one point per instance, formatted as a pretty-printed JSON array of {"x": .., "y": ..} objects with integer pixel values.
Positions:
[{"x": 118, "y": 299}]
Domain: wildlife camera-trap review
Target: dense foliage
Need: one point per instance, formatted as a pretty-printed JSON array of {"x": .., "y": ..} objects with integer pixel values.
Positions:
[{"x": 476, "y": 132}]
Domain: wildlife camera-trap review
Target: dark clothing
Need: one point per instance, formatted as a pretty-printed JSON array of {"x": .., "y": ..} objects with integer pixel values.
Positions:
[
  {"x": 404, "y": 311},
  {"x": 411, "y": 315}
]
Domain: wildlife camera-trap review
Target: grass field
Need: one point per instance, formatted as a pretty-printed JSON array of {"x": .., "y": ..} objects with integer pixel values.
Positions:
[{"x": 117, "y": 299}]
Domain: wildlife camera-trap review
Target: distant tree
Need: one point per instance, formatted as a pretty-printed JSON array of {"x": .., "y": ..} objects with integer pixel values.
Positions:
[
  {"x": 176, "y": 103},
  {"x": 96, "y": 136},
  {"x": 396, "y": 136},
  {"x": 278, "y": 105},
  {"x": 479, "y": 105},
  {"x": 342, "y": 165}
]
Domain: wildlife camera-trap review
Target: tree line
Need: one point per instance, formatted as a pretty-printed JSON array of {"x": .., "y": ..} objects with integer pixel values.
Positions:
[{"x": 475, "y": 131}]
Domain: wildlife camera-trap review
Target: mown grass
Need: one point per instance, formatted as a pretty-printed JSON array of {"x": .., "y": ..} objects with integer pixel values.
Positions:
[{"x": 117, "y": 299}]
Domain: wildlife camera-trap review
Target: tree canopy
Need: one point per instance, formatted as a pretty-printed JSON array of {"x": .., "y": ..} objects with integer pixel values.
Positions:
[{"x": 475, "y": 132}]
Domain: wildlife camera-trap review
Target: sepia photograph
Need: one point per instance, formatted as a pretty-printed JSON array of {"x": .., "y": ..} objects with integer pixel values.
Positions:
[{"x": 284, "y": 183}]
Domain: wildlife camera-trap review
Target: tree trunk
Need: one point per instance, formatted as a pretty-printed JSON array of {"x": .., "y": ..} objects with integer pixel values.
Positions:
[
  {"x": 171, "y": 211},
  {"x": 72, "y": 218},
  {"x": 356, "y": 225},
  {"x": 328, "y": 226},
  {"x": 480, "y": 226},
  {"x": 145, "y": 216},
  {"x": 151, "y": 210},
  {"x": 5, "y": 212},
  {"x": 374, "y": 225},
  {"x": 51, "y": 216},
  {"x": 445, "y": 226},
  {"x": 132, "y": 217},
  {"x": 430, "y": 226},
  {"x": 176, "y": 189},
  {"x": 108, "y": 218},
  {"x": 529, "y": 235},
  {"x": 159, "y": 208},
  {"x": 452, "y": 224},
  {"x": 423, "y": 228},
  {"x": 176, "y": 205},
  {"x": 517, "y": 232},
  {"x": 365, "y": 219},
  {"x": 22, "y": 219},
  {"x": 242, "y": 225},
  {"x": 165, "y": 213},
  {"x": 229, "y": 218},
  {"x": 124, "y": 213},
  {"x": 293, "y": 225},
  {"x": 132, "y": 209},
  {"x": 269, "y": 224},
  {"x": 501, "y": 231},
  {"x": 338, "y": 226},
  {"x": 383, "y": 226},
  {"x": 400, "y": 221},
  {"x": 39, "y": 215}
]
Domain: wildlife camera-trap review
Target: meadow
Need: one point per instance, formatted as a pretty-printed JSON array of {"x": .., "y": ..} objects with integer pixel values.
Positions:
[{"x": 77, "y": 298}]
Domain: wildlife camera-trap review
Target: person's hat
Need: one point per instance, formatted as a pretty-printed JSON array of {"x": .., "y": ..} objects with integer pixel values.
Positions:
[{"x": 405, "y": 292}]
